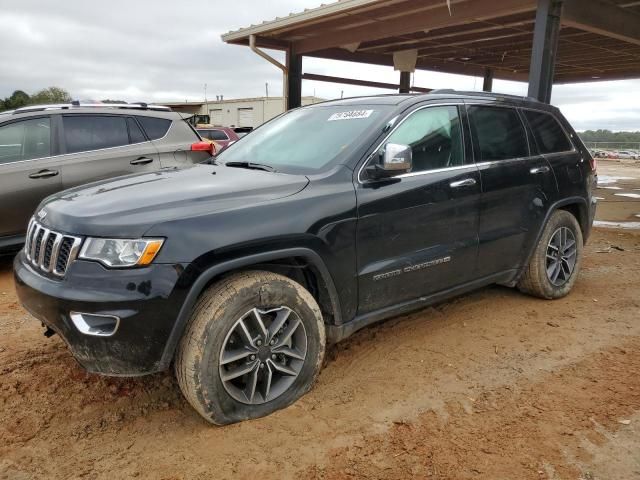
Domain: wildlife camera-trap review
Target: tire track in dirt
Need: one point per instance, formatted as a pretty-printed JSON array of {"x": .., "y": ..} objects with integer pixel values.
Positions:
[{"x": 529, "y": 430}]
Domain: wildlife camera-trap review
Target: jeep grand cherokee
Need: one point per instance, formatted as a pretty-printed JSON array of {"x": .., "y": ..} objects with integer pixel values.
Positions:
[{"x": 322, "y": 221}]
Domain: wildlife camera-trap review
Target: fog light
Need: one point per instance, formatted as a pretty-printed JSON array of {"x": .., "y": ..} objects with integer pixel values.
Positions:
[{"x": 95, "y": 324}]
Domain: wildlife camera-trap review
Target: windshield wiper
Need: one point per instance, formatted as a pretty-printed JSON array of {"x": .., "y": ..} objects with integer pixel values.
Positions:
[{"x": 251, "y": 166}]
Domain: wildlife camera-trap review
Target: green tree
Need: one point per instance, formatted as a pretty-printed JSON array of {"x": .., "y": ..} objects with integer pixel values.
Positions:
[
  {"x": 16, "y": 100},
  {"x": 50, "y": 95}
]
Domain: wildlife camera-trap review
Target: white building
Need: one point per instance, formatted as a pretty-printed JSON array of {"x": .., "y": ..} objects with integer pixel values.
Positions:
[
  {"x": 247, "y": 112},
  {"x": 239, "y": 112}
]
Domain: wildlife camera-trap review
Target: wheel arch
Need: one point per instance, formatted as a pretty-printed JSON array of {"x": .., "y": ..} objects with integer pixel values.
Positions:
[
  {"x": 577, "y": 206},
  {"x": 309, "y": 265}
]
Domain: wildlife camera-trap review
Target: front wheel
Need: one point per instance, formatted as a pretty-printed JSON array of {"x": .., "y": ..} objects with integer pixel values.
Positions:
[
  {"x": 255, "y": 344},
  {"x": 554, "y": 265}
]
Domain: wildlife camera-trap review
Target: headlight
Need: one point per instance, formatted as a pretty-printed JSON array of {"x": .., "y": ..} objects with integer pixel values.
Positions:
[{"x": 117, "y": 252}]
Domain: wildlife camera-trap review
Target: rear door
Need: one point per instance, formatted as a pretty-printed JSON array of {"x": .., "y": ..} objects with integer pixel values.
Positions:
[
  {"x": 29, "y": 171},
  {"x": 517, "y": 187},
  {"x": 553, "y": 143},
  {"x": 99, "y": 146},
  {"x": 417, "y": 233}
]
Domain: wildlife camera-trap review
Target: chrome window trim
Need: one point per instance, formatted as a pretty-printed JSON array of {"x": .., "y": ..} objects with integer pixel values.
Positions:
[
  {"x": 398, "y": 124},
  {"x": 567, "y": 134},
  {"x": 74, "y": 153},
  {"x": 437, "y": 170}
]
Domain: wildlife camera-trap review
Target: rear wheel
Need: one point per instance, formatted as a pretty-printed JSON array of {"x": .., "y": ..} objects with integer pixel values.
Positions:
[
  {"x": 254, "y": 345},
  {"x": 554, "y": 265}
]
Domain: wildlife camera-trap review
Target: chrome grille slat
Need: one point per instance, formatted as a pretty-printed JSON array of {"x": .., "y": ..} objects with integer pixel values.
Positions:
[
  {"x": 27, "y": 245},
  {"x": 35, "y": 249},
  {"x": 32, "y": 247},
  {"x": 42, "y": 247}
]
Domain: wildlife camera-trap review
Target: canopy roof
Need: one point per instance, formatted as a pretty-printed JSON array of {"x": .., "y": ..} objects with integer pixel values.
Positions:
[{"x": 599, "y": 39}]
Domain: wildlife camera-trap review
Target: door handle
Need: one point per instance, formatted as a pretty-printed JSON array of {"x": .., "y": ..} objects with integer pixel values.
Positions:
[
  {"x": 44, "y": 174},
  {"x": 141, "y": 161},
  {"x": 467, "y": 182},
  {"x": 536, "y": 170}
]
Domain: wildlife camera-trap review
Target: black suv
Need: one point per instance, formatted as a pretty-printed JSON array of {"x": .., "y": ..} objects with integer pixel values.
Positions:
[{"x": 322, "y": 221}]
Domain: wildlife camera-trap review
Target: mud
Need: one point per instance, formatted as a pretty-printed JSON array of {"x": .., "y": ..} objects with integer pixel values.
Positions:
[{"x": 491, "y": 385}]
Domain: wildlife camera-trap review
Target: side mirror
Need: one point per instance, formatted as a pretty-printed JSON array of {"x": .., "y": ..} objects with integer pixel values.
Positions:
[{"x": 395, "y": 160}]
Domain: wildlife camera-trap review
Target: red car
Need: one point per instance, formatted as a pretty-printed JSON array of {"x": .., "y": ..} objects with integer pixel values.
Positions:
[{"x": 222, "y": 136}]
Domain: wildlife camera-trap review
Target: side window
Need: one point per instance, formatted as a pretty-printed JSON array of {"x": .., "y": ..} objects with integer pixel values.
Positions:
[
  {"x": 155, "y": 128},
  {"x": 25, "y": 140},
  {"x": 135, "y": 134},
  {"x": 83, "y": 133},
  {"x": 548, "y": 133},
  {"x": 498, "y": 132},
  {"x": 435, "y": 138}
]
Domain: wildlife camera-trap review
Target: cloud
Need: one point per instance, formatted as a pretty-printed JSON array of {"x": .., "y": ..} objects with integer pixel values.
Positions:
[{"x": 166, "y": 51}]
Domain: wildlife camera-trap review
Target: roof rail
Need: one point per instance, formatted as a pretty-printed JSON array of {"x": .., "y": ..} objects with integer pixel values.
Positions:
[
  {"x": 76, "y": 104},
  {"x": 480, "y": 94}
]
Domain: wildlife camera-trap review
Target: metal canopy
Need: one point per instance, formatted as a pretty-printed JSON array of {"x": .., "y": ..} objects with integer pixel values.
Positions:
[{"x": 597, "y": 39}]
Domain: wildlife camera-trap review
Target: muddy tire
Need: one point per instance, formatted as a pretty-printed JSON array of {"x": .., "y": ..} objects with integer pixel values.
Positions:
[
  {"x": 555, "y": 263},
  {"x": 254, "y": 344}
]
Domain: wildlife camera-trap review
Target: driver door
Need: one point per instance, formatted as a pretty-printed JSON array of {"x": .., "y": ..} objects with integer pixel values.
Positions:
[{"x": 417, "y": 232}]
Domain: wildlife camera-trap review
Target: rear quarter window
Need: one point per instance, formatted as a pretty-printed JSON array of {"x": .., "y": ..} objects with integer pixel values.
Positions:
[
  {"x": 547, "y": 132},
  {"x": 155, "y": 128}
]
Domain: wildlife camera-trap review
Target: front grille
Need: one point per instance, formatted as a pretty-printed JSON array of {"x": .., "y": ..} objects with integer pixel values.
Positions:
[{"x": 50, "y": 251}]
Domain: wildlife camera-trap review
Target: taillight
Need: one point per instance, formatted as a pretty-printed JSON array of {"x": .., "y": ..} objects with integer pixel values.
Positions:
[
  {"x": 203, "y": 147},
  {"x": 593, "y": 162}
]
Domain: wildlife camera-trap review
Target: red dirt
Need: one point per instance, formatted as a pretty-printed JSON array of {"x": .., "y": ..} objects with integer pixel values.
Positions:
[{"x": 492, "y": 385}]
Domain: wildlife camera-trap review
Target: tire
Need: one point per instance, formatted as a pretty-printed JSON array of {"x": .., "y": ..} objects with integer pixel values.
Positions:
[
  {"x": 536, "y": 280},
  {"x": 229, "y": 314}
]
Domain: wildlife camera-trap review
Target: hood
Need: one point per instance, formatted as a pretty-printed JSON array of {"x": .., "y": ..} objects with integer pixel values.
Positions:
[{"x": 129, "y": 206}]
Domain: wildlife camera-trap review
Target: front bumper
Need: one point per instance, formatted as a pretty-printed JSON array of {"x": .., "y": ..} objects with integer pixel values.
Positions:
[{"x": 146, "y": 300}]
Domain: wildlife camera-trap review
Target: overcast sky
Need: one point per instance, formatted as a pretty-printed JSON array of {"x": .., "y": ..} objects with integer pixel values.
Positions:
[{"x": 143, "y": 50}]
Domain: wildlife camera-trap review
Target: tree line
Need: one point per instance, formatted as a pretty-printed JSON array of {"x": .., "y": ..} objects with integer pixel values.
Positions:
[
  {"x": 609, "y": 136},
  {"x": 46, "y": 96}
]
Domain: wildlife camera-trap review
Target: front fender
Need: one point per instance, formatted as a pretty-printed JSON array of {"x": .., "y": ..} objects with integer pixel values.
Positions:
[{"x": 210, "y": 273}]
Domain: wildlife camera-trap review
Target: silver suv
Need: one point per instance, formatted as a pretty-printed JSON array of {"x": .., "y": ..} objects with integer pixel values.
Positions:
[{"x": 48, "y": 148}]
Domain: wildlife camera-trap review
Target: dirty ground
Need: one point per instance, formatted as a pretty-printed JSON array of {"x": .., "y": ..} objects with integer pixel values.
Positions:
[{"x": 491, "y": 385}]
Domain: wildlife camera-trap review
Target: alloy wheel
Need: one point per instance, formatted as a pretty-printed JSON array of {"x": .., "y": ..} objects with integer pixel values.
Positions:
[
  {"x": 561, "y": 256},
  {"x": 263, "y": 354}
]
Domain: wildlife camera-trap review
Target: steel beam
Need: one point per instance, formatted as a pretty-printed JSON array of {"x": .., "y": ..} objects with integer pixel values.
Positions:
[
  {"x": 405, "y": 82},
  {"x": 602, "y": 18},
  {"x": 545, "y": 48},
  {"x": 361, "y": 83},
  {"x": 487, "y": 84},
  {"x": 294, "y": 79}
]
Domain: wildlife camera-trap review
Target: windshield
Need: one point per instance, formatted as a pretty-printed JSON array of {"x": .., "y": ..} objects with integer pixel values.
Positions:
[{"x": 307, "y": 140}]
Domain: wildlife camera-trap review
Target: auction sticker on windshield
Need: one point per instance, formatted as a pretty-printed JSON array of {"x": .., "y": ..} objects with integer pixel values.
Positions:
[{"x": 350, "y": 115}]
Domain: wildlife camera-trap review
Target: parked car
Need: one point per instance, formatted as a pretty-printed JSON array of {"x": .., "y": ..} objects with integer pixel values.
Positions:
[
  {"x": 221, "y": 136},
  {"x": 626, "y": 154},
  {"x": 322, "y": 221},
  {"x": 48, "y": 148},
  {"x": 242, "y": 131}
]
